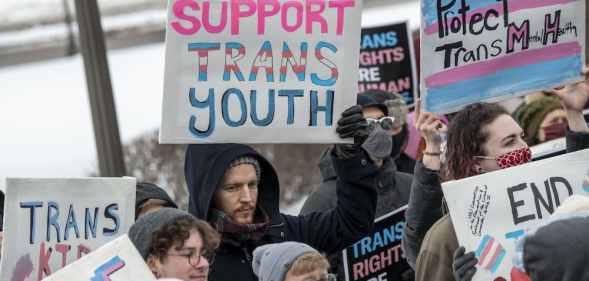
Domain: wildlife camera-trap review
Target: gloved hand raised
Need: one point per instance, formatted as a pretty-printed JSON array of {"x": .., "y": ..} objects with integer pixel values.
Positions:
[
  {"x": 353, "y": 124},
  {"x": 463, "y": 266}
]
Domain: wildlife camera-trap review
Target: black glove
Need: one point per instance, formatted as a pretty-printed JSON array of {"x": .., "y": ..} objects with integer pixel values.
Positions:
[
  {"x": 353, "y": 124},
  {"x": 463, "y": 266}
]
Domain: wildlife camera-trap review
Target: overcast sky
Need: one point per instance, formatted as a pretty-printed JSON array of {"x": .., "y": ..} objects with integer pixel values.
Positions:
[{"x": 45, "y": 116}]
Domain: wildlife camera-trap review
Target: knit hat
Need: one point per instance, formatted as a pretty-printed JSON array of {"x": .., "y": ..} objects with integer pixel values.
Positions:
[
  {"x": 530, "y": 116},
  {"x": 247, "y": 160},
  {"x": 146, "y": 191},
  {"x": 271, "y": 262},
  {"x": 141, "y": 232}
]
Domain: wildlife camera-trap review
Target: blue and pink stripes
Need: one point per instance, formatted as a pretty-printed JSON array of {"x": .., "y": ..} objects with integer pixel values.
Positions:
[{"x": 490, "y": 253}]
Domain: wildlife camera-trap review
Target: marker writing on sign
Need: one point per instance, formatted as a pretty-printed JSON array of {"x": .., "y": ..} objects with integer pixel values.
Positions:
[
  {"x": 63, "y": 229},
  {"x": 233, "y": 14}
]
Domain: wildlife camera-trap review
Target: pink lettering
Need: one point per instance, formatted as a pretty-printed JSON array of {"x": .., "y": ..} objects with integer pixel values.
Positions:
[
  {"x": 178, "y": 10},
  {"x": 237, "y": 13},
  {"x": 263, "y": 13}
]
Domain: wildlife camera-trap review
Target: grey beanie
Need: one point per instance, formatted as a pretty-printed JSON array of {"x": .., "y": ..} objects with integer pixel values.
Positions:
[
  {"x": 142, "y": 230},
  {"x": 247, "y": 160},
  {"x": 272, "y": 262}
]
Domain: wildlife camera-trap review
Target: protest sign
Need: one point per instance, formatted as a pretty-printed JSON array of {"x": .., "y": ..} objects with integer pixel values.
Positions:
[
  {"x": 273, "y": 71},
  {"x": 490, "y": 212},
  {"x": 378, "y": 256},
  {"x": 489, "y": 50},
  {"x": 118, "y": 260},
  {"x": 49, "y": 223},
  {"x": 387, "y": 60}
]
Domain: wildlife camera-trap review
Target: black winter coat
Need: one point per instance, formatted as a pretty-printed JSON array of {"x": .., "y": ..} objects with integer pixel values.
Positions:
[
  {"x": 328, "y": 231},
  {"x": 393, "y": 188}
]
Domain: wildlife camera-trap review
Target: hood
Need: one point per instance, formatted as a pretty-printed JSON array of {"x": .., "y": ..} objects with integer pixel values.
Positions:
[{"x": 205, "y": 166}]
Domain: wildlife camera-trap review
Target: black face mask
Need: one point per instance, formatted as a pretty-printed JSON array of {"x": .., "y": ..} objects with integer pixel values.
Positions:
[{"x": 398, "y": 143}]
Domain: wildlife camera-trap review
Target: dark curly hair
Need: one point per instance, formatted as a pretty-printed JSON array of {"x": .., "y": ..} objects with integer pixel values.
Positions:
[
  {"x": 177, "y": 232},
  {"x": 466, "y": 138}
]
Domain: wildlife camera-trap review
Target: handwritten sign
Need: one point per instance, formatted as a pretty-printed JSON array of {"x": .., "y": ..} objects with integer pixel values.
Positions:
[
  {"x": 116, "y": 261},
  {"x": 489, "y": 50},
  {"x": 49, "y": 223},
  {"x": 387, "y": 61},
  {"x": 378, "y": 256},
  {"x": 272, "y": 71},
  {"x": 492, "y": 211}
]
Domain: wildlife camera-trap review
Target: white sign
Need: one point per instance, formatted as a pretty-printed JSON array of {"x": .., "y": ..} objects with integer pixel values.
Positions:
[
  {"x": 118, "y": 260},
  {"x": 272, "y": 71},
  {"x": 49, "y": 223},
  {"x": 492, "y": 211},
  {"x": 490, "y": 50}
]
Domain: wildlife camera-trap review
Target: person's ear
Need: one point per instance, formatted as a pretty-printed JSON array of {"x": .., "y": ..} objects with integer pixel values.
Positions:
[
  {"x": 154, "y": 265},
  {"x": 477, "y": 169}
]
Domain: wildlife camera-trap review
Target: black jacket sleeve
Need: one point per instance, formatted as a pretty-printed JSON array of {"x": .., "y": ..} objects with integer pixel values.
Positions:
[
  {"x": 321, "y": 200},
  {"x": 353, "y": 218},
  {"x": 576, "y": 141},
  {"x": 425, "y": 208}
]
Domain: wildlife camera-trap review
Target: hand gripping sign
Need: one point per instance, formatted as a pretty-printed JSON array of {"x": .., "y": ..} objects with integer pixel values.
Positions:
[{"x": 490, "y": 212}]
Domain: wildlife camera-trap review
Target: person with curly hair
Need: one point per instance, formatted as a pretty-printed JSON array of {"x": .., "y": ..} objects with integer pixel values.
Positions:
[
  {"x": 481, "y": 138},
  {"x": 175, "y": 244}
]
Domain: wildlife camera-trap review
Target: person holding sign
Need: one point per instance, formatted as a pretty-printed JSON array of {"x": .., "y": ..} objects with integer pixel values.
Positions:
[
  {"x": 481, "y": 138},
  {"x": 175, "y": 244},
  {"x": 237, "y": 191},
  {"x": 393, "y": 186}
]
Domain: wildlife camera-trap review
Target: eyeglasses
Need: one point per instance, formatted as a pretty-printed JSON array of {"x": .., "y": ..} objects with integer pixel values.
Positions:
[
  {"x": 387, "y": 122},
  {"x": 328, "y": 277},
  {"x": 194, "y": 257}
]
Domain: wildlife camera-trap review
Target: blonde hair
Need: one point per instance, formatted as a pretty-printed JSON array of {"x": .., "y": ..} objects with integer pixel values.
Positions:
[{"x": 308, "y": 262}]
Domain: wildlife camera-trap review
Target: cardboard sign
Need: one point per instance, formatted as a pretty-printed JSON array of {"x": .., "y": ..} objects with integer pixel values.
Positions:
[
  {"x": 492, "y": 211},
  {"x": 273, "y": 71},
  {"x": 490, "y": 50},
  {"x": 378, "y": 256},
  {"x": 49, "y": 223},
  {"x": 118, "y": 260},
  {"x": 387, "y": 61}
]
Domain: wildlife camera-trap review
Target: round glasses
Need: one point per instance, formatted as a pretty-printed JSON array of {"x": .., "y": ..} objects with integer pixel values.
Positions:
[
  {"x": 387, "y": 122},
  {"x": 194, "y": 257}
]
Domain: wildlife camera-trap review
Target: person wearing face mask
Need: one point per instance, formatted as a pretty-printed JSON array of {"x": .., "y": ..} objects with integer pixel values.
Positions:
[
  {"x": 481, "y": 138},
  {"x": 542, "y": 120},
  {"x": 383, "y": 141}
]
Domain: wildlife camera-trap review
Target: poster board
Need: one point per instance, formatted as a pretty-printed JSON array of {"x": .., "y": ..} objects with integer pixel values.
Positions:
[
  {"x": 490, "y": 50},
  {"x": 379, "y": 255},
  {"x": 490, "y": 212},
  {"x": 117, "y": 260},
  {"x": 387, "y": 60},
  {"x": 49, "y": 223},
  {"x": 259, "y": 71}
]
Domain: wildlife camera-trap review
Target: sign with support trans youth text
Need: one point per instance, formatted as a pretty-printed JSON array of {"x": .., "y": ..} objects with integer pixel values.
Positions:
[
  {"x": 490, "y": 212},
  {"x": 490, "y": 50},
  {"x": 272, "y": 71}
]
